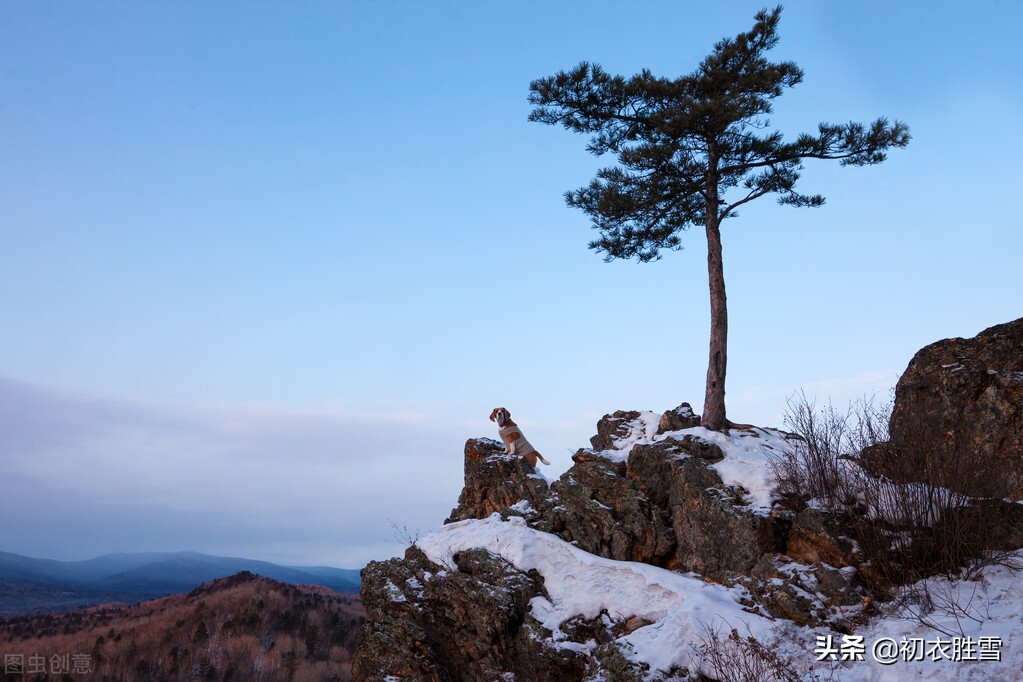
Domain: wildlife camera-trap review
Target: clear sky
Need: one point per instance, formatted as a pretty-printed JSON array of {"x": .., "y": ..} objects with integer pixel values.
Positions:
[{"x": 264, "y": 267}]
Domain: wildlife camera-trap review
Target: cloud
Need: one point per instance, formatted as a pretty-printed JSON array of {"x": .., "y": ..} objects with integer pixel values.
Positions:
[
  {"x": 765, "y": 405},
  {"x": 95, "y": 475},
  {"x": 841, "y": 389}
]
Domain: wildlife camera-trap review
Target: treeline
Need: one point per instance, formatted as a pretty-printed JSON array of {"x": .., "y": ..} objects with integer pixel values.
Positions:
[{"x": 239, "y": 628}]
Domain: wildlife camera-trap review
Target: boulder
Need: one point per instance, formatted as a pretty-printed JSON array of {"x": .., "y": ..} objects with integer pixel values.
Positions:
[
  {"x": 472, "y": 623},
  {"x": 600, "y": 510},
  {"x": 805, "y": 595},
  {"x": 959, "y": 411},
  {"x": 694, "y": 446},
  {"x": 715, "y": 534},
  {"x": 615, "y": 427},
  {"x": 495, "y": 481},
  {"x": 431, "y": 624},
  {"x": 682, "y": 417}
]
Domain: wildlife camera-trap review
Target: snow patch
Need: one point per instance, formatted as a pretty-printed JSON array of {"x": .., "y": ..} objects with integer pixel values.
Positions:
[
  {"x": 683, "y": 608},
  {"x": 523, "y": 507},
  {"x": 747, "y": 463},
  {"x": 581, "y": 584},
  {"x": 394, "y": 593},
  {"x": 748, "y": 454}
]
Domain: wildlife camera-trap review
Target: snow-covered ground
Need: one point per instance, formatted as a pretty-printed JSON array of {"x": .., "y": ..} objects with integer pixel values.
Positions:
[
  {"x": 684, "y": 608},
  {"x": 985, "y": 642},
  {"x": 747, "y": 453},
  {"x": 580, "y": 583}
]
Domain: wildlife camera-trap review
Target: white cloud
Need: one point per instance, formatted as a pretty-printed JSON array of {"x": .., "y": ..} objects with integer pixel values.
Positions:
[
  {"x": 224, "y": 476},
  {"x": 878, "y": 382}
]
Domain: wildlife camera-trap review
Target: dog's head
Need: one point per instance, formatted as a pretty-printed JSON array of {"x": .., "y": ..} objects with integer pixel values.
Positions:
[{"x": 500, "y": 415}]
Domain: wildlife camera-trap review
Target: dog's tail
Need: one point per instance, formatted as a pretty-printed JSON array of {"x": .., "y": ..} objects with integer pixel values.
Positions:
[{"x": 540, "y": 457}]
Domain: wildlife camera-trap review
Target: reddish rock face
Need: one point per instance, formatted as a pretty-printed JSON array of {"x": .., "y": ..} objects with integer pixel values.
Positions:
[{"x": 959, "y": 410}]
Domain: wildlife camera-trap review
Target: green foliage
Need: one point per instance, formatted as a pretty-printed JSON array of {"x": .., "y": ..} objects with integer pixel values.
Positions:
[{"x": 692, "y": 150}]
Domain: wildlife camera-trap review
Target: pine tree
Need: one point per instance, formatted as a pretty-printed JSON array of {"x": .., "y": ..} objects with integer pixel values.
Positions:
[{"x": 693, "y": 150}]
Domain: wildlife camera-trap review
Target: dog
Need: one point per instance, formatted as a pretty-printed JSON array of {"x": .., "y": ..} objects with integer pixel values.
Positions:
[{"x": 514, "y": 442}]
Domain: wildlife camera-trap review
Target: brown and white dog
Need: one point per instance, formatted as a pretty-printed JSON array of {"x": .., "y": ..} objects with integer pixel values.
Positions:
[{"x": 514, "y": 442}]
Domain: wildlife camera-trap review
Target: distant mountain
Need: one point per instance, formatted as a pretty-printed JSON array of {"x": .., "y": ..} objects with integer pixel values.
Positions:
[
  {"x": 30, "y": 585},
  {"x": 242, "y": 627}
]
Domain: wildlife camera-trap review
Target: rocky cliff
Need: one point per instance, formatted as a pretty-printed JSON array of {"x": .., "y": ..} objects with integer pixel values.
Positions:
[
  {"x": 653, "y": 490},
  {"x": 662, "y": 535},
  {"x": 962, "y": 399}
]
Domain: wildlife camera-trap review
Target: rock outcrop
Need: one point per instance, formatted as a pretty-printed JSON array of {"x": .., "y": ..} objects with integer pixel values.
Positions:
[
  {"x": 644, "y": 492},
  {"x": 682, "y": 417},
  {"x": 961, "y": 401},
  {"x": 659, "y": 490},
  {"x": 498, "y": 481},
  {"x": 425, "y": 623},
  {"x": 664, "y": 506},
  {"x": 599, "y": 509},
  {"x": 715, "y": 533},
  {"x": 429, "y": 623},
  {"x": 615, "y": 428}
]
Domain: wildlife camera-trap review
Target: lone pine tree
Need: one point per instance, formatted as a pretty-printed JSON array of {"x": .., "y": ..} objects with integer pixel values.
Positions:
[{"x": 690, "y": 152}]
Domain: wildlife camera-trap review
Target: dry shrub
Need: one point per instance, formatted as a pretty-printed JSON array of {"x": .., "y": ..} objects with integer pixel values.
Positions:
[
  {"x": 823, "y": 468},
  {"x": 734, "y": 658},
  {"x": 904, "y": 507}
]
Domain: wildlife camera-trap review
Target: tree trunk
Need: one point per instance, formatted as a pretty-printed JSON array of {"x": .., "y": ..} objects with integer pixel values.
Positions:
[{"x": 714, "y": 400}]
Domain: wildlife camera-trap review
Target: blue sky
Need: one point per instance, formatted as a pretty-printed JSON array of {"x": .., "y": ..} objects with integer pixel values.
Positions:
[{"x": 264, "y": 267}]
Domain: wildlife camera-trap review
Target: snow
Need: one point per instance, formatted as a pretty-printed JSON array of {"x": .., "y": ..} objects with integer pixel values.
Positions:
[
  {"x": 640, "y": 430},
  {"x": 414, "y": 585},
  {"x": 684, "y": 608},
  {"x": 580, "y": 583},
  {"x": 747, "y": 454},
  {"x": 394, "y": 592},
  {"x": 540, "y": 477},
  {"x": 523, "y": 507},
  {"x": 989, "y": 607}
]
